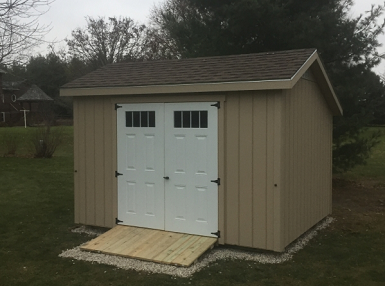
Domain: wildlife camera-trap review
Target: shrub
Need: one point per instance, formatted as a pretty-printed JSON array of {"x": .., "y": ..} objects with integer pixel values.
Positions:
[
  {"x": 11, "y": 142},
  {"x": 45, "y": 140}
]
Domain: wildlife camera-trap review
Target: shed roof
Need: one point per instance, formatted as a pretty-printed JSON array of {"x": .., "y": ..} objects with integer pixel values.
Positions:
[
  {"x": 246, "y": 67},
  {"x": 271, "y": 70},
  {"x": 34, "y": 93}
]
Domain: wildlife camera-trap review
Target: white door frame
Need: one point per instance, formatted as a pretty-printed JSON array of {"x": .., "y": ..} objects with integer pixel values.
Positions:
[{"x": 201, "y": 201}]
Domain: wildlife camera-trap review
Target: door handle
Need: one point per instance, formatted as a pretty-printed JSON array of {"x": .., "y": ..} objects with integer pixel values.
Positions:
[{"x": 166, "y": 178}]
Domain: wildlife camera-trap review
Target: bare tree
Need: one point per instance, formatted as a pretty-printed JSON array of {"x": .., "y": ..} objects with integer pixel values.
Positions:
[
  {"x": 19, "y": 28},
  {"x": 103, "y": 42}
]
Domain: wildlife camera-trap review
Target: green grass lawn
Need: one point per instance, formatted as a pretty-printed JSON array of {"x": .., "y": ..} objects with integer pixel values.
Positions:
[
  {"x": 36, "y": 215},
  {"x": 22, "y": 136}
]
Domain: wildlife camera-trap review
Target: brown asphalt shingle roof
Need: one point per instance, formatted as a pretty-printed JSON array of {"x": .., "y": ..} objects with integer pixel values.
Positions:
[{"x": 236, "y": 68}]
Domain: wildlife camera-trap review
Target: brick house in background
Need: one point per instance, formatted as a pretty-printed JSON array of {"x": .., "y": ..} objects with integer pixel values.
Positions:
[{"x": 17, "y": 96}]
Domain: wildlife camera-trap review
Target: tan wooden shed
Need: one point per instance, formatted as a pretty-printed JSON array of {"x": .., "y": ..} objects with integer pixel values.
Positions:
[{"x": 238, "y": 146}]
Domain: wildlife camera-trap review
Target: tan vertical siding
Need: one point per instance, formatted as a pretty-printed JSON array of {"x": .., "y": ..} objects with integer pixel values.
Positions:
[
  {"x": 277, "y": 171},
  {"x": 232, "y": 170},
  {"x": 253, "y": 134},
  {"x": 114, "y": 151},
  {"x": 108, "y": 174},
  {"x": 99, "y": 161},
  {"x": 90, "y": 160},
  {"x": 93, "y": 161},
  {"x": 270, "y": 173},
  {"x": 76, "y": 160},
  {"x": 259, "y": 170},
  {"x": 221, "y": 171},
  {"x": 307, "y": 147},
  {"x": 246, "y": 170},
  {"x": 80, "y": 167}
]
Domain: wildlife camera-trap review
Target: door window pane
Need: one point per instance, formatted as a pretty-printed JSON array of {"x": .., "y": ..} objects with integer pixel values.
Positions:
[
  {"x": 203, "y": 119},
  {"x": 143, "y": 119},
  {"x": 136, "y": 119},
  {"x": 140, "y": 118},
  {"x": 151, "y": 118},
  {"x": 190, "y": 119},
  {"x": 186, "y": 119},
  {"x": 195, "y": 119},
  {"x": 177, "y": 119},
  {"x": 128, "y": 118}
]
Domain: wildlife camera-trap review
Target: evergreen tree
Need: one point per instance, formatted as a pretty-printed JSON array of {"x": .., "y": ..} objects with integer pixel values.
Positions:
[
  {"x": 48, "y": 72},
  {"x": 348, "y": 46}
]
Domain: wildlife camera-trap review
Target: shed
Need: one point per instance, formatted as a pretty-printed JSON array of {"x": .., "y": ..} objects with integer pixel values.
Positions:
[{"x": 236, "y": 146}]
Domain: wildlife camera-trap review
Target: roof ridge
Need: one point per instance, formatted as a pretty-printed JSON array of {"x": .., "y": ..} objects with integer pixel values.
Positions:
[{"x": 214, "y": 57}]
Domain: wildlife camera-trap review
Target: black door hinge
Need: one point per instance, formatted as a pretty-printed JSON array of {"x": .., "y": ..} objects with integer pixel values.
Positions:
[
  {"x": 117, "y": 106},
  {"x": 117, "y": 174},
  {"x": 217, "y": 181},
  {"x": 218, "y": 233},
  {"x": 117, "y": 221},
  {"x": 217, "y": 105}
]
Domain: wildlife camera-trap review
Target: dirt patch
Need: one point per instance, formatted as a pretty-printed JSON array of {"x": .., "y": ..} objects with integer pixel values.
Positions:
[{"x": 358, "y": 206}]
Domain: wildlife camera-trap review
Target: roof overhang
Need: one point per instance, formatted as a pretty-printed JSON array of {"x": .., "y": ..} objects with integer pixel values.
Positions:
[{"x": 314, "y": 63}]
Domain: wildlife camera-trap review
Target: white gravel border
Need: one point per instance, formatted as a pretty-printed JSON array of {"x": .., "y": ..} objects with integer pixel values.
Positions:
[{"x": 211, "y": 256}]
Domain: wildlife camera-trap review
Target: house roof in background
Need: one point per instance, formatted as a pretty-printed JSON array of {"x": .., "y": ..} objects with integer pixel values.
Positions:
[
  {"x": 34, "y": 93},
  {"x": 281, "y": 65},
  {"x": 12, "y": 85}
]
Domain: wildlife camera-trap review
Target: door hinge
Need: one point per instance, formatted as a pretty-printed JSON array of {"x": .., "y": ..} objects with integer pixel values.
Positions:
[
  {"x": 117, "y": 174},
  {"x": 217, "y": 181},
  {"x": 218, "y": 233},
  {"x": 117, "y": 106},
  {"x": 217, "y": 105},
  {"x": 117, "y": 221}
]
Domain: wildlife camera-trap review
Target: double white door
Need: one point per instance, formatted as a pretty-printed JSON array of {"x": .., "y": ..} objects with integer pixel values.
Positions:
[{"x": 168, "y": 160}]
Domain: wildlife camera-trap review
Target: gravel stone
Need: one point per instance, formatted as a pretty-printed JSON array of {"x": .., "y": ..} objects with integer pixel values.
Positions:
[
  {"x": 86, "y": 230},
  {"x": 221, "y": 253}
]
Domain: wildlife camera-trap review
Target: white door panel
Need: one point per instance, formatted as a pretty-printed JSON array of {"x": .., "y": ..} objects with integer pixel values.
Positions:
[
  {"x": 191, "y": 158},
  {"x": 141, "y": 163}
]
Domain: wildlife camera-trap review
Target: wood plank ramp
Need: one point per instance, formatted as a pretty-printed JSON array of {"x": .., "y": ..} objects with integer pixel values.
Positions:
[{"x": 151, "y": 245}]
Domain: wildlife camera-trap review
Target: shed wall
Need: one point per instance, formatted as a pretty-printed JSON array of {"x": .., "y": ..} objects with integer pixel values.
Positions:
[
  {"x": 252, "y": 162},
  {"x": 94, "y": 157},
  {"x": 307, "y": 159},
  {"x": 275, "y": 186}
]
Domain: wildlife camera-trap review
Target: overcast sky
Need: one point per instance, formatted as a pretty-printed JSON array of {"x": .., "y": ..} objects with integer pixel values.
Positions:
[{"x": 66, "y": 15}]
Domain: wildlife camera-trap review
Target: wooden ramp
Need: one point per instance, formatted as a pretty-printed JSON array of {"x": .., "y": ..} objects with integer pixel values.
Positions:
[{"x": 151, "y": 245}]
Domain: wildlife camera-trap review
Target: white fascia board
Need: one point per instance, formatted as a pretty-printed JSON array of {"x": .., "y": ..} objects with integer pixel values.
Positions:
[
  {"x": 309, "y": 61},
  {"x": 180, "y": 88}
]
